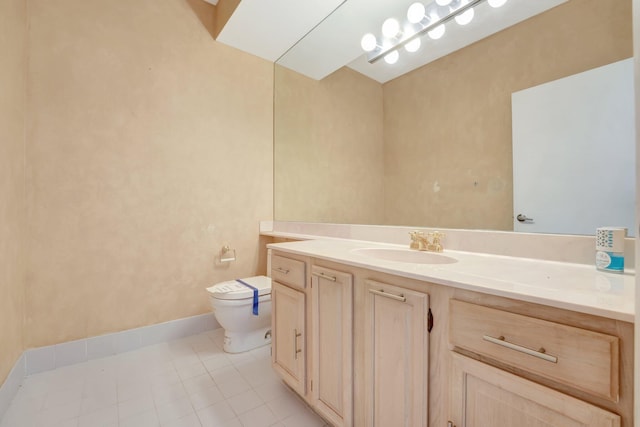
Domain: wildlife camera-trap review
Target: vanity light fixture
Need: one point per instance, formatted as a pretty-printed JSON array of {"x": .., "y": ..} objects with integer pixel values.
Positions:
[{"x": 421, "y": 19}]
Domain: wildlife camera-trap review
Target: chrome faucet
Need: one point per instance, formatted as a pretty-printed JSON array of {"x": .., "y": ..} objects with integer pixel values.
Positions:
[{"x": 432, "y": 242}]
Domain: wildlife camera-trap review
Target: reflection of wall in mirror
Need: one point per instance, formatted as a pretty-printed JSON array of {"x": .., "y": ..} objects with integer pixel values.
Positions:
[
  {"x": 328, "y": 152},
  {"x": 447, "y": 126}
]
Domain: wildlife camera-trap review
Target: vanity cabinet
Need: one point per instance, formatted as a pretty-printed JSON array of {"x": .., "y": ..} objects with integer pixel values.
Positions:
[
  {"x": 312, "y": 330},
  {"x": 368, "y": 348},
  {"x": 288, "y": 322},
  {"x": 579, "y": 358},
  {"x": 396, "y": 356},
  {"x": 332, "y": 343},
  {"x": 486, "y": 396},
  {"x": 573, "y": 357}
]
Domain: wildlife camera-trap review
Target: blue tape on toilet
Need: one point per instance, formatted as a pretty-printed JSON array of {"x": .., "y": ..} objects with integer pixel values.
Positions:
[{"x": 255, "y": 296}]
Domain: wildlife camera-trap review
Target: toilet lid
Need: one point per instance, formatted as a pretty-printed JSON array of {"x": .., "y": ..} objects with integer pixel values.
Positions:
[{"x": 236, "y": 290}]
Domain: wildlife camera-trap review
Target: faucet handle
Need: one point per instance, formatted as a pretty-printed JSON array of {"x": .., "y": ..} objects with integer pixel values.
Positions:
[
  {"x": 415, "y": 235},
  {"x": 438, "y": 235},
  {"x": 436, "y": 241}
]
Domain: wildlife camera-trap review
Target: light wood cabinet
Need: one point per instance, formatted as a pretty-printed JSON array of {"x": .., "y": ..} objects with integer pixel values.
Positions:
[
  {"x": 332, "y": 338},
  {"x": 486, "y": 396},
  {"x": 396, "y": 356},
  {"x": 288, "y": 350},
  {"x": 545, "y": 354},
  {"x": 577, "y": 357},
  {"x": 358, "y": 347},
  {"x": 288, "y": 271}
]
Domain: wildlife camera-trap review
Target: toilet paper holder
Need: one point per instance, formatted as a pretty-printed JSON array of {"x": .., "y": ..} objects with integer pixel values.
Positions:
[{"x": 227, "y": 254}]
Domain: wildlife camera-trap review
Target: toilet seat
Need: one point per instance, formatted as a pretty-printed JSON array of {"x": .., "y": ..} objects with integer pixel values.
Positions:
[
  {"x": 244, "y": 311},
  {"x": 233, "y": 290}
]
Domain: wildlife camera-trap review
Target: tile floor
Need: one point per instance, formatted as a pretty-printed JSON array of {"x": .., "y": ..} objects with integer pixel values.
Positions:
[{"x": 186, "y": 383}]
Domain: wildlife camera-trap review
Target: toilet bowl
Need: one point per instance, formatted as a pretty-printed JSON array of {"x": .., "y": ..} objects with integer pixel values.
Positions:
[{"x": 233, "y": 305}]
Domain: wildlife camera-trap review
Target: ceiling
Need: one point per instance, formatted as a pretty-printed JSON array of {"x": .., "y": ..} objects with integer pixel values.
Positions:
[{"x": 275, "y": 30}]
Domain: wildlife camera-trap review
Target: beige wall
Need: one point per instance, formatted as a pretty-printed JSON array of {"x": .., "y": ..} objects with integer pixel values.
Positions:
[
  {"x": 454, "y": 168},
  {"x": 329, "y": 148},
  {"x": 224, "y": 10},
  {"x": 12, "y": 194},
  {"x": 149, "y": 147}
]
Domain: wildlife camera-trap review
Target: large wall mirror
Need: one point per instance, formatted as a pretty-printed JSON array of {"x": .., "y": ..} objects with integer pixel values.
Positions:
[{"x": 432, "y": 147}]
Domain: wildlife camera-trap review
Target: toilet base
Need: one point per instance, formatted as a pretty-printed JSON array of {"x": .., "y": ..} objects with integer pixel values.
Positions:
[{"x": 237, "y": 342}]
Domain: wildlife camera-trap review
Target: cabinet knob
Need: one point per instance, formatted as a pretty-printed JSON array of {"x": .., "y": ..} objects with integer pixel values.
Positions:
[{"x": 450, "y": 424}]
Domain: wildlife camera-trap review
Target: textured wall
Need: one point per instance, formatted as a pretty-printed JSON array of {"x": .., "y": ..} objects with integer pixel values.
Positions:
[
  {"x": 149, "y": 145},
  {"x": 329, "y": 149},
  {"x": 12, "y": 194},
  {"x": 448, "y": 124}
]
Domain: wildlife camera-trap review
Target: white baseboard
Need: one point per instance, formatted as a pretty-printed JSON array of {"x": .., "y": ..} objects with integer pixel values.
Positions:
[
  {"x": 12, "y": 384},
  {"x": 54, "y": 356}
]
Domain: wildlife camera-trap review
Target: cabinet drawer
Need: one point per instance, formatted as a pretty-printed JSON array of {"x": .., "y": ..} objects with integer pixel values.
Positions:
[
  {"x": 582, "y": 359},
  {"x": 288, "y": 270},
  {"x": 485, "y": 396}
]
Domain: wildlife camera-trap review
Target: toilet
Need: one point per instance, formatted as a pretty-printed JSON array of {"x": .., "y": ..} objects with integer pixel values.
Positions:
[{"x": 233, "y": 304}]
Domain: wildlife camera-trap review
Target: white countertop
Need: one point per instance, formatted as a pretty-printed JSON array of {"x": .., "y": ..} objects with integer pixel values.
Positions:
[{"x": 576, "y": 287}]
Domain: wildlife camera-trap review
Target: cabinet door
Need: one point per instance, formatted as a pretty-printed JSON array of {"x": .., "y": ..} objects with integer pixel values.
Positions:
[
  {"x": 397, "y": 356},
  {"x": 332, "y": 338},
  {"x": 486, "y": 396},
  {"x": 288, "y": 354}
]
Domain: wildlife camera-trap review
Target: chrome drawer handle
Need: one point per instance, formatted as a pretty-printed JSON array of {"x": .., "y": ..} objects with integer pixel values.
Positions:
[
  {"x": 282, "y": 270},
  {"x": 325, "y": 276},
  {"x": 540, "y": 354},
  {"x": 388, "y": 295}
]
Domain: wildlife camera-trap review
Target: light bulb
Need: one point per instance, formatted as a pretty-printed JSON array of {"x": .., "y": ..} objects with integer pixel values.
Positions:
[
  {"x": 391, "y": 57},
  {"x": 437, "y": 32},
  {"x": 497, "y": 3},
  {"x": 368, "y": 42},
  {"x": 467, "y": 16},
  {"x": 415, "y": 13},
  {"x": 390, "y": 28},
  {"x": 413, "y": 45},
  {"x": 443, "y": 2}
]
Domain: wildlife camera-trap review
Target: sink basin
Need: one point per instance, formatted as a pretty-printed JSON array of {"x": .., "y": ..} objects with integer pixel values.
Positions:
[{"x": 405, "y": 255}]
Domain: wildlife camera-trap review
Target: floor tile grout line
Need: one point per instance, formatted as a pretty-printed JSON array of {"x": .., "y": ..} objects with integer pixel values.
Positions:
[{"x": 165, "y": 360}]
